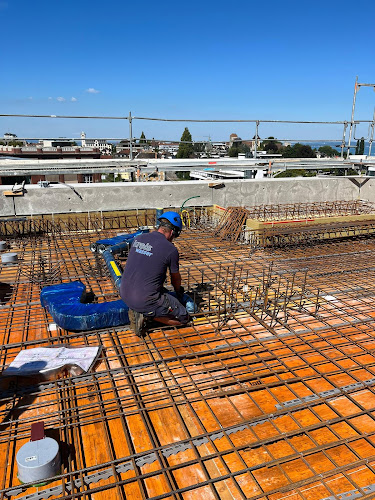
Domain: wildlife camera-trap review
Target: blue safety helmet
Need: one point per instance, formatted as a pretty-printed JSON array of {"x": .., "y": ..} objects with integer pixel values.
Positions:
[{"x": 175, "y": 219}]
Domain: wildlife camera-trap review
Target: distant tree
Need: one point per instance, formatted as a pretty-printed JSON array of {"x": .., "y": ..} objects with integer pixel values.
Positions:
[
  {"x": 337, "y": 172},
  {"x": 112, "y": 178},
  {"x": 328, "y": 151},
  {"x": 298, "y": 151},
  {"x": 15, "y": 143},
  {"x": 142, "y": 139},
  {"x": 186, "y": 148},
  {"x": 237, "y": 148},
  {"x": 109, "y": 178},
  {"x": 360, "y": 147},
  {"x": 287, "y": 152},
  {"x": 291, "y": 173},
  {"x": 297, "y": 173},
  {"x": 233, "y": 151},
  {"x": 304, "y": 151},
  {"x": 271, "y": 145}
]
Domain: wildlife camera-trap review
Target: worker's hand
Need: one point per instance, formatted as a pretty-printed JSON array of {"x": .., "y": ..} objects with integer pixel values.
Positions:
[{"x": 180, "y": 293}]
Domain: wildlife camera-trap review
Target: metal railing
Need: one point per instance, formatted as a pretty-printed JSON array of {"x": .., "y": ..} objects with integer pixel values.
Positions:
[{"x": 348, "y": 127}]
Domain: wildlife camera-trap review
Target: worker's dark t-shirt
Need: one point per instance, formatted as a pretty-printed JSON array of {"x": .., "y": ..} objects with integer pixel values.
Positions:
[{"x": 151, "y": 254}]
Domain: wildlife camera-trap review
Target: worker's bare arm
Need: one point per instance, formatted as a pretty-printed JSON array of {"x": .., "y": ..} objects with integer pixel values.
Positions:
[{"x": 176, "y": 281}]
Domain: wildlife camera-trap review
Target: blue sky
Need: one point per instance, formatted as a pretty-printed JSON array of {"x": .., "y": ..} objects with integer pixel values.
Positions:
[{"x": 210, "y": 59}]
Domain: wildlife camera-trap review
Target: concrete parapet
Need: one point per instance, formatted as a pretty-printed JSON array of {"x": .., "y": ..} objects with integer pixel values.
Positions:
[
  {"x": 126, "y": 195},
  {"x": 7, "y": 203}
]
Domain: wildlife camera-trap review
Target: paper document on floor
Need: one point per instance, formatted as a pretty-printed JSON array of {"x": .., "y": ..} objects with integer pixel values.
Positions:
[{"x": 47, "y": 360}]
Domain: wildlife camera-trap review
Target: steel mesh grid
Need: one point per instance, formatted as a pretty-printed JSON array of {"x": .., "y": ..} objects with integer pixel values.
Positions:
[{"x": 195, "y": 378}]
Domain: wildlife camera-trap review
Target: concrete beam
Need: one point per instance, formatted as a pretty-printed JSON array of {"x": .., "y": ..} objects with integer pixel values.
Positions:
[{"x": 129, "y": 195}]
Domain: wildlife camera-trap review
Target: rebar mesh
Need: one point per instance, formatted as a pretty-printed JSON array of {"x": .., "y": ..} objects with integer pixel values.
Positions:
[{"x": 269, "y": 395}]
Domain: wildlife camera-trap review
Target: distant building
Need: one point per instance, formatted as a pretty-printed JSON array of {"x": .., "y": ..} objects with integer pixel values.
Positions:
[
  {"x": 100, "y": 144},
  {"x": 46, "y": 152},
  {"x": 233, "y": 138},
  {"x": 55, "y": 143},
  {"x": 9, "y": 137},
  {"x": 168, "y": 149}
]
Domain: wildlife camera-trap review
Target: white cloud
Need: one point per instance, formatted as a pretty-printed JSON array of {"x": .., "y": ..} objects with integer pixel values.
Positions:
[
  {"x": 50, "y": 98},
  {"x": 73, "y": 99},
  {"x": 92, "y": 91},
  {"x": 61, "y": 99}
]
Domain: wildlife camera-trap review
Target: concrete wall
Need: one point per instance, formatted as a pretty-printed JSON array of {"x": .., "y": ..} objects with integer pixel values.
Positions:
[{"x": 122, "y": 196}]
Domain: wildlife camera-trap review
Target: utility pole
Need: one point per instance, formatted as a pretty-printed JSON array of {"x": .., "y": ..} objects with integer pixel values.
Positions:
[
  {"x": 343, "y": 139},
  {"x": 130, "y": 136},
  {"x": 256, "y": 138},
  {"x": 371, "y": 134}
]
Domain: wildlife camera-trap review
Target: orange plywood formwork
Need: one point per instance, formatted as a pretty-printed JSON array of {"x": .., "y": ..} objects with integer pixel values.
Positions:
[{"x": 269, "y": 394}]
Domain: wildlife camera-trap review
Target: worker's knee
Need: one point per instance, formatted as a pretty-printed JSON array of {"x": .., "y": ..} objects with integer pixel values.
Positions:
[{"x": 172, "y": 308}]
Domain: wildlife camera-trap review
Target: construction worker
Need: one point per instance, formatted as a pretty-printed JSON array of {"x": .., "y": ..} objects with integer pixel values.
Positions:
[{"x": 150, "y": 256}]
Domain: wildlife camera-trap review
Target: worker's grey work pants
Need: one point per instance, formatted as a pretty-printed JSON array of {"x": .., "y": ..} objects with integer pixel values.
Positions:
[{"x": 170, "y": 307}]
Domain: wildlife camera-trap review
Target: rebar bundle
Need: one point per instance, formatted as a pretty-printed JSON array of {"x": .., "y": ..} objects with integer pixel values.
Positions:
[
  {"x": 33, "y": 227},
  {"x": 231, "y": 223},
  {"x": 298, "y": 224},
  {"x": 308, "y": 210}
]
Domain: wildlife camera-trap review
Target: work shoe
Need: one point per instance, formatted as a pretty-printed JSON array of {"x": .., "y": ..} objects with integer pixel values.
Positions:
[{"x": 137, "y": 321}]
